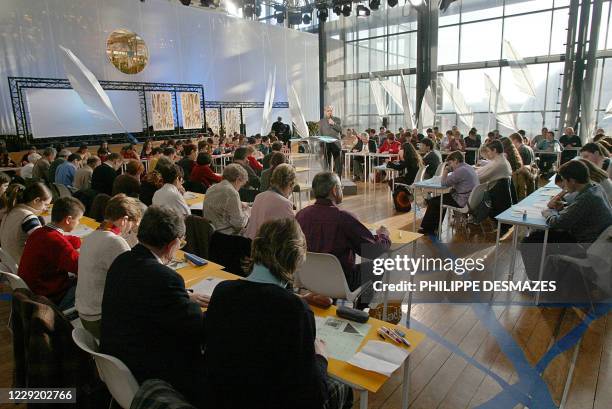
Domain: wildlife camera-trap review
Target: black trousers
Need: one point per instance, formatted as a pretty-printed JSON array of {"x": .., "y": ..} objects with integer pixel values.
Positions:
[
  {"x": 332, "y": 150},
  {"x": 432, "y": 214},
  {"x": 559, "y": 242}
]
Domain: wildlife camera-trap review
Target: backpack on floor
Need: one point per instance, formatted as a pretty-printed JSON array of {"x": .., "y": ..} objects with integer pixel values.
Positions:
[{"x": 402, "y": 199}]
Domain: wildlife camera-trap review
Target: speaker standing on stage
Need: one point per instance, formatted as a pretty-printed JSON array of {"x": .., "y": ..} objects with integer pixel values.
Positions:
[
  {"x": 281, "y": 130},
  {"x": 330, "y": 125}
]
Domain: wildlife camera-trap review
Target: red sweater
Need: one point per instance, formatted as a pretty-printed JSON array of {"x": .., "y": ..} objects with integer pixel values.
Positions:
[
  {"x": 392, "y": 147},
  {"x": 204, "y": 174},
  {"x": 47, "y": 258},
  {"x": 254, "y": 163}
]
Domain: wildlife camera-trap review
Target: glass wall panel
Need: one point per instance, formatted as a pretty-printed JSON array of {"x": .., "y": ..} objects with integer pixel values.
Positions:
[
  {"x": 529, "y": 33},
  {"x": 480, "y": 41},
  {"x": 448, "y": 45}
]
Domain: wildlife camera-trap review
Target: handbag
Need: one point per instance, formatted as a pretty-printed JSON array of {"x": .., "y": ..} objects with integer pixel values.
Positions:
[{"x": 402, "y": 199}]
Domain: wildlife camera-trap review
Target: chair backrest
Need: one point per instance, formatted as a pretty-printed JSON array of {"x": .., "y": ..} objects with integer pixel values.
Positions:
[
  {"x": 62, "y": 190},
  {"x": 8, "y": 261},
  {"x": 477, "y": 195},
  {"x": 600, "y": 256},
  {"x": 420, "y": 174},
  {"x": 322, "y": 273},
  {"x": 14, "y": 280},
  {"x": 439, "y": 169},
  {"x": 118, "y": 377}
]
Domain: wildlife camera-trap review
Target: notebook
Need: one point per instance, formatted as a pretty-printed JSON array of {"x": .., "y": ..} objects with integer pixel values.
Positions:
[
  {"x": 206, "y": 286},
  {"x": 379, "y": 356}
]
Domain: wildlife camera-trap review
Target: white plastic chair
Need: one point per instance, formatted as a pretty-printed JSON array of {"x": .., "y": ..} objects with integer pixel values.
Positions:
[
  {"x": 439, "y": 169},
  {"x": 476, "y": 196},
  {"x": 118, "y": 378},
  {"x": 322, "y": 273},
  {"x": 14, "y": 280},
  {"x": 8, "y": 261},
  {"x": 598, "y": 259}
]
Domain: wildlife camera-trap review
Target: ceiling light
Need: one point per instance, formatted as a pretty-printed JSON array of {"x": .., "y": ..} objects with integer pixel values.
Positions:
[
  {"x": 374, "y": 4},
  {"x": 185, "y": 2},
  {"x": 306, "y": 19},
  {"x": 362, "y": 11},
  {"x": 392, "y": 3},
  {"x": 322, "y": 14}
]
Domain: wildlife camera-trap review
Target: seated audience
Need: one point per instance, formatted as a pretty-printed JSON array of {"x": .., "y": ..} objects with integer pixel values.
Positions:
[
  {"x": 5, "y": 180},
  {"x": 431, "y": 157},
  {"x": 527, "y": 155},
  {"x": 455, "y": 141},
  {"x": 188, "y": 160},
  {"x": 273, "y": 203},
  {"x": 129, "y": 182},
  {"x": 548, "y": 144},
  {"x": 222, "y": 206},
  {"x": 103, "y": 151},
  {"x": 285, "y": 365},
  {"x": 409, "y": 161},
  {"x": 277, "y": 159},
  {"x": 171, "y": 193},
  {"x": 156, "y": 154},
  {"x": 150, "y": 184},
  {"x": 129, "y": 152},
  {"x": 569, "y": 140},
  {"x": 457, "y": 175},
  {"x": 240, "y": 158},
  {"x": 580, "y": 221},
  {"x": 252, "y": 160},
  {"x": 522, "y": 178},
  {"x": 24, "y": 159},
  {"x": 64, "y": 175},
  {"x": 49, "y": 254},
  {"x": 599, "y": 176},
  {"x": 168, "y": 158},
  {"x": 23, "y": 206},
  {"x": 82, "y": 177},
  {"x": 83, "y": 152},
  {"x": 202, "y": 173},
  {"x": 147, "y": 150},
  {"x": 539, "y": 138},
  {"x": 103, "y": 176},
  {"x": 5, "y": 159},
  {"x": 149, "y": 320},
  {"x": 41, "y": 167},
  {"x": 496, "y": 166},
  {"x": 98, "y": 251},
  {"x": 59, "y": 160},
  {"x": 472, "y": 141},
  {"x": 390, "y": 145},
  {"x": 597, "y": 154},
  {"x": 26, "y": 170},
  {"x": 329, "y": 229},
  {"x": 364, "y": 144},
  {"x": 275, "y": 147}
]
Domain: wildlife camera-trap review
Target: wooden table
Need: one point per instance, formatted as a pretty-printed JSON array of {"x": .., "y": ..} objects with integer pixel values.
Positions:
[
  {"x": 195, "y": 201},
  {"x": 360, "y": 379}
]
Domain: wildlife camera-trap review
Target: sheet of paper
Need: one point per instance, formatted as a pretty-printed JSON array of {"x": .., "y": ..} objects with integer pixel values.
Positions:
[
  {"x": 342, "y": 337},
  {"x": 379, "y": 356},
  {"x": 206, "y": 286},
  {"x": 177, "y": 264},
  {"x": 81, "y": 231},
  {"x": 189, "y": 195}
]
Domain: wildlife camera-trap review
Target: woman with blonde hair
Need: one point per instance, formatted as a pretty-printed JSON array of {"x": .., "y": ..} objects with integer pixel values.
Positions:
[
  {"x": 521, "y": 177},
  {"x": 284, "y": 366}
]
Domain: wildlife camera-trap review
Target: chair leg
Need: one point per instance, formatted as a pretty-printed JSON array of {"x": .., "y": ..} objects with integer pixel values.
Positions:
[{"x": 587, "y": 289}]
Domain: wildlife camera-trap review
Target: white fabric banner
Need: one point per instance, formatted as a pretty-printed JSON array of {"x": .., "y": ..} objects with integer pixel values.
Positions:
[
  {"x": 520, "y": 71},
  {"x": 498, "y": 105},
  {"x": 458, "y": 101},
  {"x": 407, "y": 106},
  {"x": 295, "y": 109},
  {"x": 427, "y": 115},
  {"x": 266, "y": 123},
  {"x": 378, "y": 97}
]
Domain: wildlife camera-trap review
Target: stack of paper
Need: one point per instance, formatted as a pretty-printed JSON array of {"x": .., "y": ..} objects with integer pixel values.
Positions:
[
  {"x": 81, "y": 231},
  {"x": 342, "y": 337},
  {"x": 206, "y": 286},
  {"x": 378, "y": 356}
]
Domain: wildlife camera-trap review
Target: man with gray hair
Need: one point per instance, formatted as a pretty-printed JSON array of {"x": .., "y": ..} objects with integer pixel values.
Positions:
[
  {"x": 331, "y": 126},
  {"x": 329, "y": 229},
  {"x": 149, "y": 320},
  {"x": 41, "y": 167},
  {"x": 60, "y": 159}
]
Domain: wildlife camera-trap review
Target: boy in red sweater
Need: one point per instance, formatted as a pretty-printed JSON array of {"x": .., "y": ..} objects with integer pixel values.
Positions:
[
  {"x": 390, "y": 145},
  {"x": 49, "y": 255}
]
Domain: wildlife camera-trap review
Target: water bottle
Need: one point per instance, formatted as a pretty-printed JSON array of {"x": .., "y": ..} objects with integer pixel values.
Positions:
[{"x": 524, "y": 215}]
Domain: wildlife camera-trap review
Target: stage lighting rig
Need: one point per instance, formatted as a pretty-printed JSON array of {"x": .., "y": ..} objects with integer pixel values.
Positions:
[
  {"x": 374, "y": 4},
  {"x": 362, "y": 11}
]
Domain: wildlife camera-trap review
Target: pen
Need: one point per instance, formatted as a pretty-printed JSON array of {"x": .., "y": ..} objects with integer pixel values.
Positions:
[
  {"x": 401, "y": 336},
  {"x": 389, "y": 334}
]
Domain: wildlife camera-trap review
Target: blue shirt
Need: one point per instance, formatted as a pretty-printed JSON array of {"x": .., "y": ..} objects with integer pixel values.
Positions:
[
  {"x": 262, "y": 275},
  {"x": 64, "y": 175}
]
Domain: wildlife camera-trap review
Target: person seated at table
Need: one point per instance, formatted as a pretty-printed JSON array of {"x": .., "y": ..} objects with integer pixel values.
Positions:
[
  {"x": 64, "y": 175},
  {"x": 275, "y": 147},
  {"x": 253, "y": 162},
  {"x": 5, "y": 159},
  {"x": 149, "y": 320},
  {"x": 548, "y": 144},
  {"x": 23, "y": 206},
  {"x": 472, "y": 141},
  {"x": 522, "y": 179},
  {"x": 274, "y": 203},
  {"x": 98, "y": 251},
  {"x": 50, "y": 254},
  {"x": 455, "y": 141},
  {"x": 188, "y": 161},
  {"x": 103, "y": 176},
  {"x": 409, "y": 161},
  {"x": 202, "y": 173},
  {"x": 129, "y": 182},
  {"x": 390, "y": 145},
  {"x": 538, "y": 138},
  {"x": 240, "y": 157},
  {"x": 285, "y": 365},
  {"x": 222, "y": 206},
  {"x": 599, "y": 176},
  {"x": 171, "y": 193},
  {"x": 26, "y": 170},
  {"x": 167, "y": 158},
  {"x": 129, "y": 152},
  {"x": 329, "y": 229},
  {"x": 83, "y": 152},
  {"x": 41, "y": 167},
  {"x": 569, "y": 140},
  {"x": 24, "y": 159},
  {"x": 277, "y": 159},
  {"x": 462, "y": 179},
  {"x": 580, "y": 221},
  {"x": 496, "y": 165},
  {"x": 364, "y": 144},
  {"x": 527, "y": 155},
  {"x": 82, "y": 176},
  {"x": 147, "y": 150},
  {"x": 597, "y": 154},
  {"x": 431, "y": 157}
]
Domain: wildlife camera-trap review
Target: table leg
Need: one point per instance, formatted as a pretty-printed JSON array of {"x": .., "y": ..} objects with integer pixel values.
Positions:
[
  {"x": 514, "y": 248},
  {"x": 496, "y": 255},
  {"x": 441, "y": 213},
  {"x": 406, "y": 384},
  {"x": 363, "y": 399},
  {"x": 542, "y": 260},
  {"x": 387, "y": 280},
  {"x": 414, "y": 194}
]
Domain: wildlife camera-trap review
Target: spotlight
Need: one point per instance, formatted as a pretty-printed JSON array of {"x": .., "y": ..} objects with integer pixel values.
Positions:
[
  {"x": 280, "y": 18},
  {"x": 374, "y": 4},
  {"x": 337, "y": 10},
  {"x": 322, "y": 14},
  {"x": 392, "y": 3},
  {"x": 362, "y": 11},
  {"x": 306, "y": 19},
  {"x": 346, "y": 9},
  {"x": 186, "y": 2}
]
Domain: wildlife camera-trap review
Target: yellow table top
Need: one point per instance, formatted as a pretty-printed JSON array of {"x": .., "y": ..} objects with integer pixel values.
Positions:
[
  {"x": 299, "y": 169},
  {"x": 193, "y": 274},
  {"x": 345, "y": 372},
  {"x": 199, "y": 198},
  {"x": 398, "y": 236},
  {"x": 89, "y": 222}
]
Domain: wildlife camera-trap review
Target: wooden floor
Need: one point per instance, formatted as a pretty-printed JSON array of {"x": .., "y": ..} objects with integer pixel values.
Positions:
[{"x": 469, "y": 368}]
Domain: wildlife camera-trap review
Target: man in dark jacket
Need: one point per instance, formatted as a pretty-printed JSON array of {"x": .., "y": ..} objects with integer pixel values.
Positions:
[
  {"x": 103, "y": 176},
  {"x": 149, "y": 321},
  {"x": 431, "y": 158}
]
